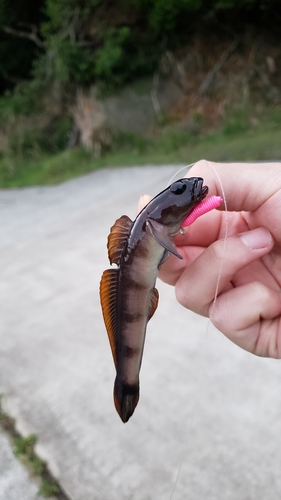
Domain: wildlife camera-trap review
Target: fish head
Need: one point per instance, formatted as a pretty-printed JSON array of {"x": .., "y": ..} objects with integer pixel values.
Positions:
[
  {"x": 164, "y": 215},
  {"x": 175, "y": 203}
]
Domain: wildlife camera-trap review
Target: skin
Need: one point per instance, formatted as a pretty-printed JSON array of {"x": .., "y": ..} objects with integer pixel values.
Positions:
[{"x": 248, "y": 306}]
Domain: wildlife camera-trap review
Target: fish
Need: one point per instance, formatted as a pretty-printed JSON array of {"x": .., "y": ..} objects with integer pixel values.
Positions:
[{"x": 128, "y": 294}]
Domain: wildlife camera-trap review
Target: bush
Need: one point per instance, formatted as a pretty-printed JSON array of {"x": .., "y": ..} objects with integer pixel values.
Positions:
[
  {"x": 23, "y": 100},
  {"x": 50, "y": 139}
]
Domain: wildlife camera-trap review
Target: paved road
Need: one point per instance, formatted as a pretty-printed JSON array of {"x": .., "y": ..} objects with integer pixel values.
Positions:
[{"x": 208, "y": 424}]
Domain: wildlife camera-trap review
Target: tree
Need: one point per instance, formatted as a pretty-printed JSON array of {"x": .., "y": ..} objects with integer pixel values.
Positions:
[{"x": 19, "y": 22}]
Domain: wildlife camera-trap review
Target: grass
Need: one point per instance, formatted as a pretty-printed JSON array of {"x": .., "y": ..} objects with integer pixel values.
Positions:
[
  {"x": 239, "y": 139},
  {"x": 23, "y": 448}
]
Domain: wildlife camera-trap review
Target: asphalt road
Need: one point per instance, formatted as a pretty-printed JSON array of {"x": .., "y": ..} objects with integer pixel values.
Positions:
[{"x": 208, "y": 424}]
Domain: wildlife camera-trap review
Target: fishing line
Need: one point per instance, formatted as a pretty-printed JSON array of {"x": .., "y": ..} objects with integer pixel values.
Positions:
[
  {"x": 201, "y": 361},
  {"x": 186, "y": 168},
  {"x": 224, "y": 238}
]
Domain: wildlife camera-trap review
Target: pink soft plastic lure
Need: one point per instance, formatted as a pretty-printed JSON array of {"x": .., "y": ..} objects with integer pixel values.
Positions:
[{"x": 202, "y": 208}]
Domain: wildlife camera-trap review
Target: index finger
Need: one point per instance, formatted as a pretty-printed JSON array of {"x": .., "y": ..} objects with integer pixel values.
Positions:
[{"x": 246, "y": 186}]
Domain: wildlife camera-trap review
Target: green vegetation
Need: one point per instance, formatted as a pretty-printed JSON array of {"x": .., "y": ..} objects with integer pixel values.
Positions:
[
  {"x": 241, "y": 138},
  {"x": 74, "y": 42},
  {"x": 120, "y": 49},
  {"x": 24, "y": 451},
  {"x": 62, "y": 47},
  {"x": 49, "y": 488}
]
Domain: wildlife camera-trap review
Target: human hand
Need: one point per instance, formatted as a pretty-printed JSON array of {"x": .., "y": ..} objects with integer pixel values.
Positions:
[{"x": 244, "y": 270}]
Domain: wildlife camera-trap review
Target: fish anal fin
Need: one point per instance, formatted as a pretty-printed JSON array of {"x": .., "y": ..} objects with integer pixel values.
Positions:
[
  {"x": 161, "y": 237},
  {"x": 117, "y": 238},
  {"x": 108, "y": 291},
  {"x": 154, "y": 297}
]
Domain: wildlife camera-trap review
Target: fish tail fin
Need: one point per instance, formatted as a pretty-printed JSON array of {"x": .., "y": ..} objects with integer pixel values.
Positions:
[{"x": 126, "y": 398}]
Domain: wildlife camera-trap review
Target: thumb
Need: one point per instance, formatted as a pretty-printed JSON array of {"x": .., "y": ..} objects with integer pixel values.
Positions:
[{"x": 143, "y": 201}]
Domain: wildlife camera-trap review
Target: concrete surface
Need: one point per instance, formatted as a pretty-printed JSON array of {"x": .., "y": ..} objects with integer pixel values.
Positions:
[
  {"x": 15, "y": 483},
  {"x": 208, "y": 424}
]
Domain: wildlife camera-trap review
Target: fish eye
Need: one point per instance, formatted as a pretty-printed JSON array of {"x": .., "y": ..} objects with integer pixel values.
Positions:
[{"x": 178, "y": 187}]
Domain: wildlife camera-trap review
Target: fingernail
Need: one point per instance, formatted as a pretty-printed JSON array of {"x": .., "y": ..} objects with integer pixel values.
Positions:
[{"x": 257, "y": 238}]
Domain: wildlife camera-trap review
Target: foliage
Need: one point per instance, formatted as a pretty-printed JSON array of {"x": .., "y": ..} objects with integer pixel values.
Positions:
[
  {"x": 23, "y": 100},
  {"x": 105, "y": 42},
  {"x": 111, "y": 56},
  {"x": 119, "y": 54},
  {"x": 49, "y": 488},
  {"x": 163, "y": 15},
  {"x": 49, "y": 139},
  {"x": 240, "y": 139},
  {"x": 83, "y": 45},
  {"x": 25, "y": 446},
  {"x": 64, "y": 62},
  {"x": 61, "y": 16},
  {"x": 24, "y": 449},
  {"x": 263, "y": 5}
]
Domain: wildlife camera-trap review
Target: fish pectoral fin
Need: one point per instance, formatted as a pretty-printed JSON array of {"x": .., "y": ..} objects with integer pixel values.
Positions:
[
  {"x": 117, "y": 238},
  {"x": 108, "y": 292},
  {"x": 162, "y": 238},
  {"x": 153, "y": 302}
]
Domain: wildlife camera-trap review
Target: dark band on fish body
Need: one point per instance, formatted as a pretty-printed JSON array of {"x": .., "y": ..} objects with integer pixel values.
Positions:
[
  {"x": 129, "y": 390},
  {"x": 141, "y": 251},
  {"x": 131, "y": 283},
  {"x": 130, "y": 352},
  {"x": 131, "y": 317}
]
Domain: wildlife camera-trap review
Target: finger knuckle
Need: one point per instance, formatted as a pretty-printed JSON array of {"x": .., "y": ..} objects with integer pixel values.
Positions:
[
  {"x": 217, "y": 251},
  {"x": 203, "y": 164},
  {"x": 217, "y": 316},
  {"x": 261, "y": 292},
  {"x": 181, "y": 295}
]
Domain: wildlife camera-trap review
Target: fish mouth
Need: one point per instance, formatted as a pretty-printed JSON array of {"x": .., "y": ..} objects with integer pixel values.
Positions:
[
  {"x": 200, "y": 191},
  {"x": 204, "y": 191}
]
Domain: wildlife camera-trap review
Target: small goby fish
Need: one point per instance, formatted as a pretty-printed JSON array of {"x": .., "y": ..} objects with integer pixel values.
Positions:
[{"x": 128, "y": 294}]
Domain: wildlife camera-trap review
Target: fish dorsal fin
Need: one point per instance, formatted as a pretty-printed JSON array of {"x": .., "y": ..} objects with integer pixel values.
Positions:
[
  {"x": 154, "y": 296},
  {"x": 161, "y": 237},
  {"x": 117, "y": 238},
  {"x": 108, "y": 292}
]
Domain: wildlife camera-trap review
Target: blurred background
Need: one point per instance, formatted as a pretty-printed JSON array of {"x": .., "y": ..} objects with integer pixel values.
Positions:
[
  {"x": 91, "y": 83},
  {"x": 101, "y": 101}
]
